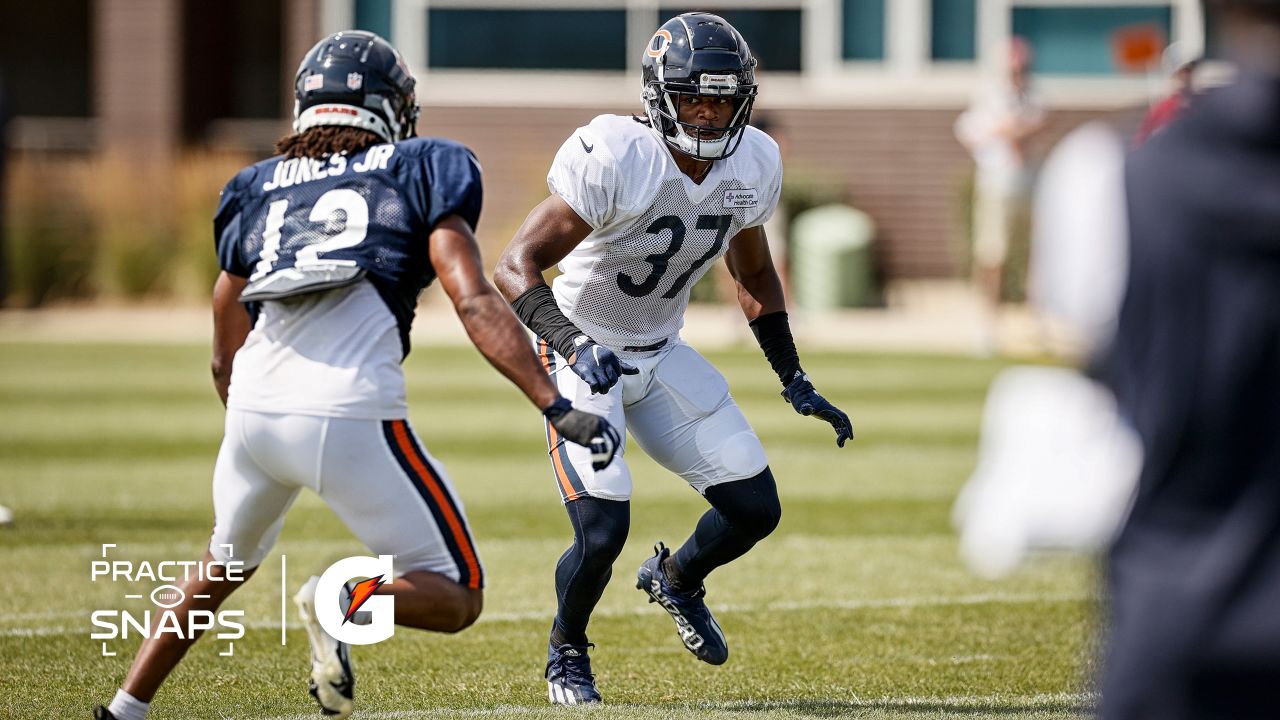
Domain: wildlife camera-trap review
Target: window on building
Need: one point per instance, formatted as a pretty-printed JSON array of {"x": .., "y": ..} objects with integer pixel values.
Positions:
[
  {"x": 528, "y": 39},
  {"x": 232, "y": 64},
  {"x": 772, "y": 35},
  {"x": 1078, "y": 40},
  {"x": 374, "y": 16},
  {"x": 45, "y": 60},
  {"x": 953, "y": 29},
  {"x": 864, "y": 29}
]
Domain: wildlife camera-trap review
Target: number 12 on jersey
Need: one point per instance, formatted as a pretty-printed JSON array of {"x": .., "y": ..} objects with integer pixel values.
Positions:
[
  {"x": 659, "y": 261},
  {"x": 309, "y": 272}
]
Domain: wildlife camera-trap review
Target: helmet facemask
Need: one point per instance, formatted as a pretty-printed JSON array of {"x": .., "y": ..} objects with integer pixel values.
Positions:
[
  {"x": 698, "y": 55},
  {"x": 662, "y": 105}
]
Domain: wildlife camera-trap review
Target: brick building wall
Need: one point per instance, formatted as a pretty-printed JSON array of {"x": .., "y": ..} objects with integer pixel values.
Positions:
[
  {"x": 136, "y": 90},
  {"x": 904, "y": 167}
]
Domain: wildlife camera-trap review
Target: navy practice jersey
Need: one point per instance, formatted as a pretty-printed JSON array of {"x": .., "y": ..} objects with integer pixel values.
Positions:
[{"x": 298, "y": 225}]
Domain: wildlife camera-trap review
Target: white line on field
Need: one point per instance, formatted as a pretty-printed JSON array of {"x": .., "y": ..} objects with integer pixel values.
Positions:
[
  {"x": 284, "y": 618},
  {"x": 1085, "y": 701},
  {"x": 798, "y": 606},
  {"x": 792, "y": 606}
]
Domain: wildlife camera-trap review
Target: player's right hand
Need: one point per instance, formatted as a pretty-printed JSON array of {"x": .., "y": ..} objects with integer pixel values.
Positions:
[
  {"x": 590, "y": 431},
  {"x": 599, "y": 367},
  {"x": 806, "y": 401}
]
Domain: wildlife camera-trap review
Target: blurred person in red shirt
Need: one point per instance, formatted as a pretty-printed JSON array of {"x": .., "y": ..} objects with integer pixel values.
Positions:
[{"x": 1163, "y": 112}]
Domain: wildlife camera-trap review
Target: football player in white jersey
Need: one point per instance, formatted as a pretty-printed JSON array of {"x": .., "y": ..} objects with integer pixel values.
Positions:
[
  {"x": 639, "y": 209},
  {"x": 329, "y": 244}
]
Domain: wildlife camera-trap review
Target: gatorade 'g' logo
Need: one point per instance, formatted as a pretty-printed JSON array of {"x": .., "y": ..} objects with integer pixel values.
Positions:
[
  {"x": 659, "y": 44},
  {"x": 381, "y": 607}
]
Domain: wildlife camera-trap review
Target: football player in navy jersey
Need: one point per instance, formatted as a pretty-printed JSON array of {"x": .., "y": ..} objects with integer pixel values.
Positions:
[
  {"x": 324, "y": 250},
  {"x": 639, "y": 210}
]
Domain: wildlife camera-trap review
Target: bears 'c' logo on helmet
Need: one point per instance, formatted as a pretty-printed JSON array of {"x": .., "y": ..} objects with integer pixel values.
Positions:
[{"x": 659, "y": 44}]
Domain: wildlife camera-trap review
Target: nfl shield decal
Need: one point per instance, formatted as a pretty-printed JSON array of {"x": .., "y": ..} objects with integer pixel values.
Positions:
[{"x": 355, "y": 80}]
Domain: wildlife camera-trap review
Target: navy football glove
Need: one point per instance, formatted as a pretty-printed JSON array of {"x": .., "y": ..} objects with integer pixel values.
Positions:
[
  {"x": 590, "y": 431},
  {"x": 599, "y": 366},
  {"x": 800, "y": 393}
]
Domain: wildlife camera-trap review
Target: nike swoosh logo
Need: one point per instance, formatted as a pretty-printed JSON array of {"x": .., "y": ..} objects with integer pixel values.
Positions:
[{"x": 585, "y": 146}]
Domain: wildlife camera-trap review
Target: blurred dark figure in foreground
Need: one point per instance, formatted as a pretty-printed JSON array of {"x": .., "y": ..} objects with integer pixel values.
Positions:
[
  {"x": 1162, "y": 113},
  {"x": 1195, "y": 366}
]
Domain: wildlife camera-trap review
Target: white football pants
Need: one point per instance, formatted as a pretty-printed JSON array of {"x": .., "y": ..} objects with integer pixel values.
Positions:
[
  {"x": 375, "y": 474},
  {"x": 678, "y": 409}
]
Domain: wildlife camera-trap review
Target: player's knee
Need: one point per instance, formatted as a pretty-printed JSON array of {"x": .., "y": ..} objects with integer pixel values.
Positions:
[
  {"x": 245, "y": 554},
  {"x": 770, "y": 518},
  {"x": 761, "y": 519},
  {"x": 467, "y": 611},
  {"x": 601, "y": 527},
  {"x": 603, "y": 545},
  {"x": 750, "y": 506}
]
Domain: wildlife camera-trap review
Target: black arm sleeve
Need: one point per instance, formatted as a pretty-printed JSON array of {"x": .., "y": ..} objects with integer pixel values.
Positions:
[
  {"x": 537, "y": 309},
  {"x": 773, "y": 332}
]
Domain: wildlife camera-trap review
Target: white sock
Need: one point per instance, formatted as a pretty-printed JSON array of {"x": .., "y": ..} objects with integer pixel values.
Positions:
[{"x": 127, "y": 707}]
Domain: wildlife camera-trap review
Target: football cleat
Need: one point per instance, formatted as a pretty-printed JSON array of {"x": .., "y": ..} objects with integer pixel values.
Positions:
[
  {"x": 332, "y": 683},
  {"x": 101, "y": 713},
  {"x": 569, "y": 677},
  {"x": 695, "y": 624}
]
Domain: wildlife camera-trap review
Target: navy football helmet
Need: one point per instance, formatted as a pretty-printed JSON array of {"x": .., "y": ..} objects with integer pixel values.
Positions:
[
  {"x": 356, "y": 79},
  {"x": 698, "y": 54}
]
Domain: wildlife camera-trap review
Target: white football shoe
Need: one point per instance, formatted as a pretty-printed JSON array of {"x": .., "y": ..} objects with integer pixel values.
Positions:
[{"x": 332, "y": 681}]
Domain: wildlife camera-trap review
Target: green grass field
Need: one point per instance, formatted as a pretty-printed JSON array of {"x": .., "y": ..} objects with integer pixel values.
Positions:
[{"x": 856, "y": 607}]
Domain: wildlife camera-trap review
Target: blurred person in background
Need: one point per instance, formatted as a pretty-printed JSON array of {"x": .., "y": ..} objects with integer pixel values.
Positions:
[
  {"x": 640, "y": 206},
  {"x": 1182, "y": 73},
  {"x": 1195, "y": 368},
  {"x": 1057, "y": 465},
  {"x": 324, "y": 251},
  {"x": 996, "y": 129}
]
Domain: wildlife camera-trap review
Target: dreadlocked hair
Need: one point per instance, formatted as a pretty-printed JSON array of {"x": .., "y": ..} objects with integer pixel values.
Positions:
[{"x": 325, "y": 140}]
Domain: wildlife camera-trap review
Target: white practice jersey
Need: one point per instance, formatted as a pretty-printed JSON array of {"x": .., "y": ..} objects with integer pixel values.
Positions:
[
  {"x": 655, "y": 232},
  {"x": 334, "y": 354}
]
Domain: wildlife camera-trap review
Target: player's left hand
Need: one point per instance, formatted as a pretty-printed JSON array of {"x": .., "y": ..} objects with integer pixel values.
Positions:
[
  {"x": 599, "y": 367},
  {"x": 586, "y": 429},
  {"x": 806, "y": 400}
]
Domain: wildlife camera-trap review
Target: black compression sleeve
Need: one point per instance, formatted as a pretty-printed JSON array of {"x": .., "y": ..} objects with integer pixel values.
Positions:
[
  {"x": 537, "y": 309},
  {"x": 773, "y": 332}
]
